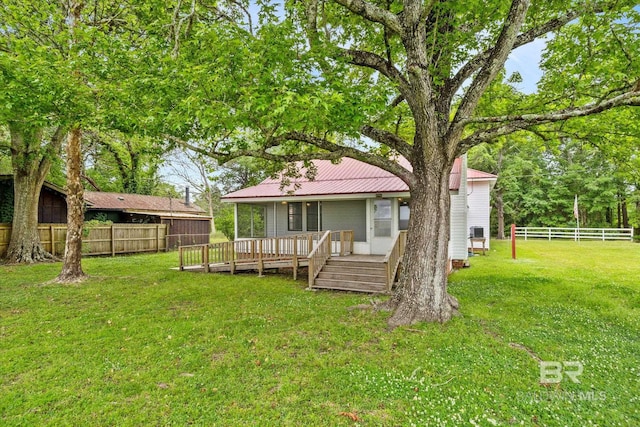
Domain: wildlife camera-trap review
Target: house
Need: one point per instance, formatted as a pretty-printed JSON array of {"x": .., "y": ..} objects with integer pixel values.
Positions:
[
  {"x": 52, "y": 205},
  {"x": 186, "y": 222},
  {"x": 353, "y": 195}
]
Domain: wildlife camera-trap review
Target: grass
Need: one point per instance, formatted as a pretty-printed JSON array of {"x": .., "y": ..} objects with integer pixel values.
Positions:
[{"x": 139, "y": 344}]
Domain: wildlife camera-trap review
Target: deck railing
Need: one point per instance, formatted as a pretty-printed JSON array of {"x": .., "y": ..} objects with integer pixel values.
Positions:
[
  {"x": 263, "y": 250},
  {"x": 333, "y": 242},
  {"x": 319, "y": 256},
  {"x": 394, "y": 256}
]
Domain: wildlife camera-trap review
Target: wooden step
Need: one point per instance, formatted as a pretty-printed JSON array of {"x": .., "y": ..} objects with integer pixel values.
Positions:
[
  {"x": 354, "y": 270},
  {"x": 355, "y": 264},
  {"x": 354, "y": 286},
  {"x": 353, "y": 276}
]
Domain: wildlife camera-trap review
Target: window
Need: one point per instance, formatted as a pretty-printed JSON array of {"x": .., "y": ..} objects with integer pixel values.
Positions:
[
  {"x": 314, "y": 216},
  {"x": 251, "y": 220},
  {"x": 295, "y": 216}
]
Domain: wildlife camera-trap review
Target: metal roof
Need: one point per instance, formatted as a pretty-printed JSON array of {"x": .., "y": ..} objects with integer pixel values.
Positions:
[
  {"x": 350, "y": 176},
  {"x": 98, "y": 200},
  {"x": 170, "y": 215}
]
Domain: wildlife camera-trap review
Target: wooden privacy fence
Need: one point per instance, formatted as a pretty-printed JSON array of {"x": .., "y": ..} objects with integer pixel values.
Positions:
[
  {"x": 575, "y": 233},
  {"x": 98, "y": 240}
]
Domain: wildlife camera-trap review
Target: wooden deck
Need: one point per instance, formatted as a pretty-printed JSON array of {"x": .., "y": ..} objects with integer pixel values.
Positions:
[
  {"x": 249, "y": 265},
  {"x": 328, "y": 258}
]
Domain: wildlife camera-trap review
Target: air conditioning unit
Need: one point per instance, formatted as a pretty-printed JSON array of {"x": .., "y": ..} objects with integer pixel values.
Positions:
[{"x": 476, "y": 232}]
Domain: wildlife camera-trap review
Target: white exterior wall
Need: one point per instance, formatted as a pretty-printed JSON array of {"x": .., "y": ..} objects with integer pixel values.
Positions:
[
  {"x": 459, "y": 232},
  {"x": 479, "y": 212}
]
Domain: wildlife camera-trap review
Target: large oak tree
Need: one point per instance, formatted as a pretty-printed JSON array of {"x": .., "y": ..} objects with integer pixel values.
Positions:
[{"x": 375, "y": 80}]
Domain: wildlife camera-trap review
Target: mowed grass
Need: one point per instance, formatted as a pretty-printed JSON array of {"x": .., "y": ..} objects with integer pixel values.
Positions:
[{"x": 140, "y": 344}]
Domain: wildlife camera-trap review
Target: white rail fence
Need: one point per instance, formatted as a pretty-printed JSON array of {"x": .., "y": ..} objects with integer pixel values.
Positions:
[{"x": 575, "y": 233}]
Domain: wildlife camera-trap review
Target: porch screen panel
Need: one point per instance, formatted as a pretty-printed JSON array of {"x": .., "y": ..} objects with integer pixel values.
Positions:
[
  {"x": 346, "y": 215},
  {"x": 251, "y": 220}
]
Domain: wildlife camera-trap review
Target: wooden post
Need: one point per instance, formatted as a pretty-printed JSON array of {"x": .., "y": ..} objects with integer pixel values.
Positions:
[
  {"x": 157, "y": 238},
  {"x": 181, "y": 257},
  {"x": 231, "y": 256},
  {"x": 53, "y": 243},
  {"x": 352, "y": 239},
  {"x": 294, "y": 261},
  {"x": 341, "y": 242},
  {"x": 260, "y": 261},
  {"x": 113, "y": 242},
  {"x": 205, "y": 257}
]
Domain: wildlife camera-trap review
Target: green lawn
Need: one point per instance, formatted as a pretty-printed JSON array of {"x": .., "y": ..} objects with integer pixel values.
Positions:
[{"x": 139, "y": 344}]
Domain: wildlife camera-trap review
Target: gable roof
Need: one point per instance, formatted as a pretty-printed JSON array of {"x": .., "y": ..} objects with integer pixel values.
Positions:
[
  {"x": 350, "y": 176},
  {"x": 45, "y": 185},
  {"x": 98, "y": 200}
]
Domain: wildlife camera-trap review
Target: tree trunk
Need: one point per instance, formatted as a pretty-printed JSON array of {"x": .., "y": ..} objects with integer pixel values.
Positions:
[
  {"x": 421, "y": 294},
  {"x": 625, "y": 212},
  {"x": 500, "y": 213},
  {"x": 25, "y": 246},
  {"x": 619, "y": 211},
  {"x": 31, "y": 161},
  {"x": 499, "y": 199},
  {"x": 72, "y": 266}
]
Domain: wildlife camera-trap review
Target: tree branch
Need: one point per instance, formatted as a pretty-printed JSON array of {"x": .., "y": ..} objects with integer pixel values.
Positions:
[
  {"x": 513, "y": 123},
  {"x": 373, "y": 13},
  {"x": 331, "y": 151},
  {"x": 52, "y": 149},
  {"x": 389, "y": 139},
  {"x": 384, "y": 163},
  {"x": 527, "y": 37},
  {"x": 371, "y": 60},
  {"x": 494, "y": 62}
]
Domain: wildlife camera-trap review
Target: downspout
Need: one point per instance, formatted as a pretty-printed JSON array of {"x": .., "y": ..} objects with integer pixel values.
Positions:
[{"x": 235, "y": 221}]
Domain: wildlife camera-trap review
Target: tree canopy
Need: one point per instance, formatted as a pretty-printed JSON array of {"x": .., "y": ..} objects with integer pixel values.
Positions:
[
  {"x": 378, "y": 80},
  {"x": 320, "y": 79}
]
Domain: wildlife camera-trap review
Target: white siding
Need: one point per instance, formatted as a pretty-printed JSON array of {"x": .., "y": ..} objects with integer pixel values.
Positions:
[
  {"x": 479, "y": 208},
  {"x": 458, "y": 227}
]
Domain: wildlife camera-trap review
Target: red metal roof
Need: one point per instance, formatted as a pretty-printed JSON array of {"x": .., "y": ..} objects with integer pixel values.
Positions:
[
  {"x": 476, "y": 174},
  {"x": 350, "y": 176},
  {"x": 120, "y": 202}
]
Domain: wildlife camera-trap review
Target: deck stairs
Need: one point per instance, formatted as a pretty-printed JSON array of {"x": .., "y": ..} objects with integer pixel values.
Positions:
[{"x": 347, "y": 275}]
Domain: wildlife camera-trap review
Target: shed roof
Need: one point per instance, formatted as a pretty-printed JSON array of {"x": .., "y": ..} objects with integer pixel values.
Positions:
[
  {"x": 98, "y": 200},
  {"x": 350, "y": 176}
]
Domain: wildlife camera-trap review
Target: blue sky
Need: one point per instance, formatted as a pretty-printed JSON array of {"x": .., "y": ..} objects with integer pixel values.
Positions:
[{"x": 526, "y": 61}]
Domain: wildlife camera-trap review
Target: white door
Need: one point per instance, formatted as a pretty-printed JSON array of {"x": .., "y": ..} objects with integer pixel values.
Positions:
[{"x": 381, "y": 232}]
